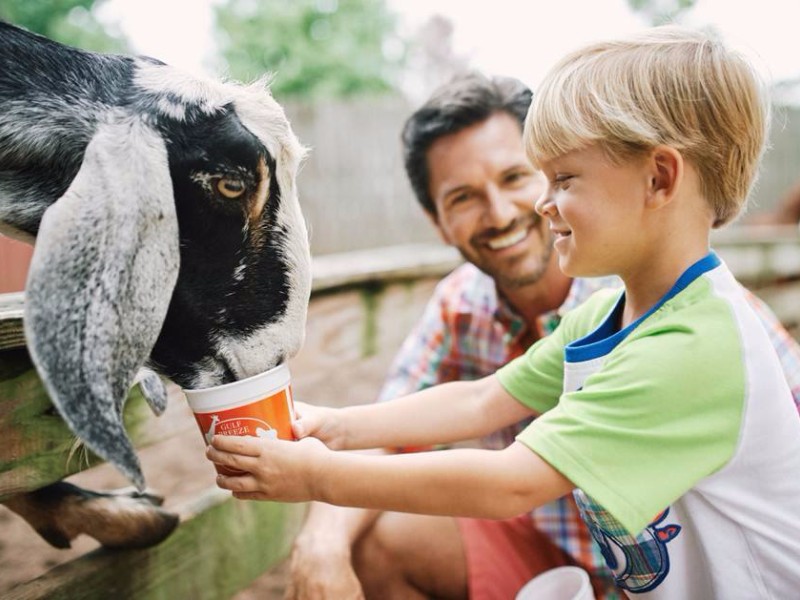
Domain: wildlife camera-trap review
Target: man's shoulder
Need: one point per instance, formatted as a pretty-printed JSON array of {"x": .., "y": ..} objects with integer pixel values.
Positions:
[
  {"x": 465, "y": 288},
  {"x": 467, "y": 274}
]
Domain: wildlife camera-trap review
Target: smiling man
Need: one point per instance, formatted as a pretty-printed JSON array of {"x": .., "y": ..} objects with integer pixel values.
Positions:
[
  {"x": 465, "y": 159},
  {"x": 483, "y": 207}
]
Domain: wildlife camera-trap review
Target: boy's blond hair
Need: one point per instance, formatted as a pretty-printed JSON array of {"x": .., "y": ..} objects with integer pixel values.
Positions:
[{"x": 670, "y": 85}]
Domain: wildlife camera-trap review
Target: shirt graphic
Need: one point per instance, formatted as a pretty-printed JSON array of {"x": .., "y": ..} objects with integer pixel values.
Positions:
[{"x": 639, "y": 562}]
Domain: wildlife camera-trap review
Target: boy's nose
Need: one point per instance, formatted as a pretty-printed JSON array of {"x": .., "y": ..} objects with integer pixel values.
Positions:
[{"x": 544, "y": 204}]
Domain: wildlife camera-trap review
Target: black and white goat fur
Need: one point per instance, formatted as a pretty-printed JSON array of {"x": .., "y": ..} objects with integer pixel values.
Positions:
[{"x": 167, "y": 228}]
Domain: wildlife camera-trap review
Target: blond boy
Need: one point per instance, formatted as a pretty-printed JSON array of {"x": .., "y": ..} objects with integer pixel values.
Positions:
[{"x": 663, "y": 408}]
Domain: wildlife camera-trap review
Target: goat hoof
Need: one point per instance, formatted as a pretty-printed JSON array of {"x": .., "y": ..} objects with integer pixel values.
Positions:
[
  {"x": 134, "y": 521},
  {"x": 120, "y": 519}
]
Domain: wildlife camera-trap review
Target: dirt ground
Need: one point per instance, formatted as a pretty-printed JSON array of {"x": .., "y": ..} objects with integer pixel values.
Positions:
[{"x": 332, "y": 369}]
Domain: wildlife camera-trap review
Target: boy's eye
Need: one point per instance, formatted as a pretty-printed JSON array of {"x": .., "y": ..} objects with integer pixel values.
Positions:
[{"x": 562, "y": 180}]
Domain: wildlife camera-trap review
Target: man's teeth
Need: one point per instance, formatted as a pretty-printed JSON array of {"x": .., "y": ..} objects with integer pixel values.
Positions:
[{"x": 508, "y": 240}]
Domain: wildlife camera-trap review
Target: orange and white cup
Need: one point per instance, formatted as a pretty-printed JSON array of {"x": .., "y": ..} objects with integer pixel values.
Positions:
[{"x": 259, "y": 406}]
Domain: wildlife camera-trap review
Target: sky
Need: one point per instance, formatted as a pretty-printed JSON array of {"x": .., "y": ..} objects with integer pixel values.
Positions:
[{"x": 522, "y": 38}]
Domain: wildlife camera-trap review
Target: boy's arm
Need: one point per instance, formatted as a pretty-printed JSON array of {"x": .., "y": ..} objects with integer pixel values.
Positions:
[
  {"x": 475, "y": 483},
  {"x": 445, "y": 413},
  {"x": 493, "y": 484}
]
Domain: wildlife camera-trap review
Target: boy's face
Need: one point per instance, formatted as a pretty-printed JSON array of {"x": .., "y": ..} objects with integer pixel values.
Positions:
[
  {"x": 594, "y": 208},
  {"x": 484, "y": 189}
]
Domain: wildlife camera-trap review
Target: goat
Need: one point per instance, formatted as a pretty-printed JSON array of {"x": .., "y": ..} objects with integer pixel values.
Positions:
[{"x": 167, "y": 228}]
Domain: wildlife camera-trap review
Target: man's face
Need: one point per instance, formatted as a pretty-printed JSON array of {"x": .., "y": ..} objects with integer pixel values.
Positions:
[{"x": 484, "y": 190}]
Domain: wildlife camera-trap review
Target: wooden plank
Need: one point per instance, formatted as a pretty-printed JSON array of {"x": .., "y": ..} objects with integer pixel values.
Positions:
[
  {"x": 784, "y": 300},
  {"x": 749, "y": 235},
  {"x": 37, "y": 443},
  {"x": 760, "y": 254},
  {"x": 395, "y": 263},
  {"x": 220, "y": 547},
  {"x": 11, "y": 308}
]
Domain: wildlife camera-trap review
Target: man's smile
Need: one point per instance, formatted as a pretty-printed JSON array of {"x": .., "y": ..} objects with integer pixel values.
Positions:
[
  {"x": 507, "y": 240},
  {"x": 515, "y": 234}
]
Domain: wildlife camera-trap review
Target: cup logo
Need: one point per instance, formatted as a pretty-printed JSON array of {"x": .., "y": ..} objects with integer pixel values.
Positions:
[
  {"x": 269, "y": 417},
  {"x": 239, "y": 426}
]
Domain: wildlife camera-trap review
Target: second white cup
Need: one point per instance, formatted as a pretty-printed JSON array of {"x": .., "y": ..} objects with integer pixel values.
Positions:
[{"x": 561, "y": 583}]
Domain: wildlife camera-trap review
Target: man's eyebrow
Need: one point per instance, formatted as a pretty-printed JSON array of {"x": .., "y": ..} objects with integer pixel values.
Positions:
[{"x": 519, "y": 166}]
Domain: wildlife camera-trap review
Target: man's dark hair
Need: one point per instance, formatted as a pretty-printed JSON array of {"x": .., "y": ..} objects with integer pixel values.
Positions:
[{"x": 466, "y": 100}]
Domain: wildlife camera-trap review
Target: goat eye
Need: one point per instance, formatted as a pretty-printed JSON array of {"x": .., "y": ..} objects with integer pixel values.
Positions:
[{"x": 230, "y": 188}]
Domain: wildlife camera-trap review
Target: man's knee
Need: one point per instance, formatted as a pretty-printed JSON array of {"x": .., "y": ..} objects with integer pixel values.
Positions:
[
  {"x": 382, "y": 547},
  {"x": 422, "y": 552}
]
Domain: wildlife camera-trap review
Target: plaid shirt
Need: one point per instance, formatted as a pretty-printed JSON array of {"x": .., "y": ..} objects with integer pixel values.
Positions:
[{"x": 467, "y": 332}]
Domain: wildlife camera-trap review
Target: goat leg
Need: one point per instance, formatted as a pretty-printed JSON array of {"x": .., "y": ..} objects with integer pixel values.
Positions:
[{"x": 123, "y": 519}]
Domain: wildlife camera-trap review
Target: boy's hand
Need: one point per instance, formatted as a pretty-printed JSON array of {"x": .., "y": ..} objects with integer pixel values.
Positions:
[
  {"x": 320, "y": 422},
  {"x": 274, "y": 469}
]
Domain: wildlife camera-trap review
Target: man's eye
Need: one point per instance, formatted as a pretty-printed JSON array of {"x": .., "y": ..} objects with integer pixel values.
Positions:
[
  {"x": 458, "y": 199},
  {"x": 230, "y": 187}
]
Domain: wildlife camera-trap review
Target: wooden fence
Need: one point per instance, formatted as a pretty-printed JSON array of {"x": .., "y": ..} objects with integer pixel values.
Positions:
[{"x": 362, "y": 306}]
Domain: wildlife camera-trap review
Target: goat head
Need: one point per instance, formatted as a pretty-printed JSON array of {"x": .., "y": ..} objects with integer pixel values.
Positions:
[{"x": 167, "y": 228}]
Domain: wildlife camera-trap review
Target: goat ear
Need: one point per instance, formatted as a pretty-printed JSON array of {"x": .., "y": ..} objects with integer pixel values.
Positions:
[
  {"x": 100, "y": 282},
  {"x": 153, "y": 390}
]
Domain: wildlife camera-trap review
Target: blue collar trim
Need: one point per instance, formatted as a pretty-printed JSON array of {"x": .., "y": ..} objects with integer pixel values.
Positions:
[{"x": 606, "y": 337}]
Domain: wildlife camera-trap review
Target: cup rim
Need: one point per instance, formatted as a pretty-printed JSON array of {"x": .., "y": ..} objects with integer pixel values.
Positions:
[
  {"x": 573, "y": 571},
  {"x": 241, "y": 390}
]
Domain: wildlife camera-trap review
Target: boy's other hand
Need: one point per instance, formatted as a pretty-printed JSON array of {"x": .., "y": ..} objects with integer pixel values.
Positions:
[
  {"x": 273, "y": 469},
  {"x": 319, "y": 422}
]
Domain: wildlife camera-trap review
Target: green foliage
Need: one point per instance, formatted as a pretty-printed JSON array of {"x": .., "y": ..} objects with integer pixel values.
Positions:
[
  {"x": 660, "y": 12},
  {"x": 68, "y": 21},
  {"x": 315, "y": 48}
]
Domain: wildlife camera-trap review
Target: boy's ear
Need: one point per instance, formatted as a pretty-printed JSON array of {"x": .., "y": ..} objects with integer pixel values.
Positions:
[{"x": 667, "y": 171}]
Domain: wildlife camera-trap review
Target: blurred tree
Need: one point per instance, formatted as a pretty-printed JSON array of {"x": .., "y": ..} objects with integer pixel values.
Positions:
[
  {"x": 68, "y": 21},
  {"x": 316, "y": 48},
  {"x": 660, "y": 12}
]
